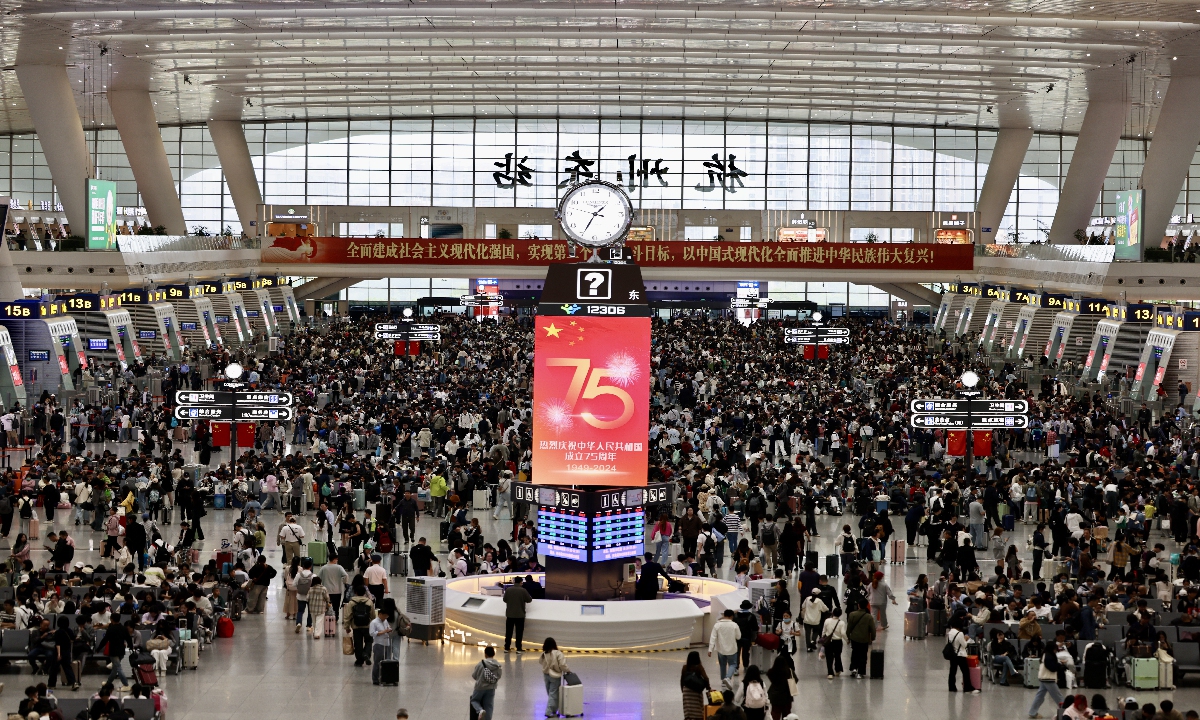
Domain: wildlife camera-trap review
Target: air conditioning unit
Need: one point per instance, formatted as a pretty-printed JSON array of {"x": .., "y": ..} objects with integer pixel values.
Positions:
[{"x": 425, "y": 605}]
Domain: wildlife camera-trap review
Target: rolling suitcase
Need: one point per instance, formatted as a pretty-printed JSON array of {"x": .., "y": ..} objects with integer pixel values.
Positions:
[
  {"x": 570, "y": 696},
  {"x": 319, "y": 552},
  {"x": 812, "y": 559},
  {"x": 295, "y": 503},
  {"x": 937, "y": 622},
  {"x": 360, "y": 499},
  {"x": 330, "y": 623},
  {"x": 346, "y": 557},
  {"x": 35, "y": 527},
  {"x": 479, "y": 500},
  {"x": 832, "y": 565},
  {"x": 191, "y": 654},
  {"x": 1010, "y": 523},
  {"x": 444, "y": 530},
  {"x": 398, "y": 564},
  {"x": 976, "y": 677},
  {"x": 876, "y": 664},
  {"x": 915, "y": 625},
  {"x": 896, "y": 552},
  {"x": 146, "y": 675},
  {"x": 1029, "y": 676},
  {"x": 1143, "y": 673},
  {"x": 389, "y": 671}
]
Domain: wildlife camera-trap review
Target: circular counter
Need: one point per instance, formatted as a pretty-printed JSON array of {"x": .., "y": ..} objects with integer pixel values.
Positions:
[{"x": 475, "y": 616}]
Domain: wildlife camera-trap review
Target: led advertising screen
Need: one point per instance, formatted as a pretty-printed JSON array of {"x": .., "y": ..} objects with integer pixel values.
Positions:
[
  {"x": 591, "y": 400},
  {"x": 1128, "y": 229},
  {"x": 102, "y": 215}
]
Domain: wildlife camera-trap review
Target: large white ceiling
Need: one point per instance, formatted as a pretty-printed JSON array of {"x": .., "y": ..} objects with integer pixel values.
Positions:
[{"x": 909, "y": 61}]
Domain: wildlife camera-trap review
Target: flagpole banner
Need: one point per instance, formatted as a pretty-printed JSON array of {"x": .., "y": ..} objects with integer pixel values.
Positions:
[{"x": 591, "y": 400}]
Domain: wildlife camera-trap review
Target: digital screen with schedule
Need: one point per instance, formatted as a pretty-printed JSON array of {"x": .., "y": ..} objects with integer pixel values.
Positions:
[{"x": 563, "y": 534}]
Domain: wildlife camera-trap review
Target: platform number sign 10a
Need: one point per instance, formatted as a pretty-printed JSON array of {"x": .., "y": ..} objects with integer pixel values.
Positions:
[{"x": 593, "y": 284}]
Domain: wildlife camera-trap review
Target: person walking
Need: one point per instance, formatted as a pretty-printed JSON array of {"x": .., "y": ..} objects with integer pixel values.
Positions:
[
  {"x": 834, "y": 633},
  {"x": 956, "y": 653},
  {"x": 334, "y": 577},
  {"x": 262, "y": 574},
  {"x": 318, "y": 604},
  {"x": 356, "y": 619},
  {"x": 487, "y": 676},
  {"x": 1047, "y": 680},
  {"x": 554, "y": 666},
  {"x": 812, "y": 610},
  {"x": 303, "y": 582},
  {"x": 291, "y": 538},
  {"x": 860, "y": 629},
  {"x": 516, "y": 597},
  {"x": 783, "y": 678},
  {"x": 693, "y": 683},
  {"x": 724, "y": 641},
  {"x": 880, "y": 594},
  {"x": 752, "y": 694}
]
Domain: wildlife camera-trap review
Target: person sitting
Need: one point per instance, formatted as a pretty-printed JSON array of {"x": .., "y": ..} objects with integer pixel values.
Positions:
[
  {"x": 1003, "y": 653},
  {"x": 104, "y": 706},
  {"x": 1077, "y": 709}
]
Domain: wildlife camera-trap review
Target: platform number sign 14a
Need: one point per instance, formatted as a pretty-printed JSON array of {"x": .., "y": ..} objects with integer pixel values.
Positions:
[{"x": 593, "y": 284}]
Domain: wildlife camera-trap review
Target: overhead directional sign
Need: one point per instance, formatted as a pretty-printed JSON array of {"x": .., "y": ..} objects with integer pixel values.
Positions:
[
  {"x": 974, "y": 422},
  {"x": 817, "y": 336},
  {"x": 232, "y": 412},
  {"x": 196, "y": 397},
  {"x": 962, "y": 407},
  {"x": 409, "y": 332},
  {"x": 481, "y": 300},
  {"x": 749, "y": 302}
]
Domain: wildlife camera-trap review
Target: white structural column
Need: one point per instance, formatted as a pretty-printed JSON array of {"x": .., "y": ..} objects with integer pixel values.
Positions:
[
  {"x": 230, "y": 141},
  {"x": 1103, "y": 121},
  {"x": 1171, "y": 150},
  {"x": 134, "y": 113},
  {"x": 1005, "y": 167},
  {"x": 51, "y": 103}
]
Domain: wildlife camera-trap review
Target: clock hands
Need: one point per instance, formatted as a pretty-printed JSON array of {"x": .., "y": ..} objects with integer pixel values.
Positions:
[{"x": 593, "y": 217}]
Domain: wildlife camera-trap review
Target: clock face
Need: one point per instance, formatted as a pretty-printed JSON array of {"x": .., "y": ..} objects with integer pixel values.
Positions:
[{"x": 595, "y": 214}]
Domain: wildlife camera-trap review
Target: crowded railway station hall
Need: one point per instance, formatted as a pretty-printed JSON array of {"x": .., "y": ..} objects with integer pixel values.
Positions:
[{"x": 637, "y": 360}]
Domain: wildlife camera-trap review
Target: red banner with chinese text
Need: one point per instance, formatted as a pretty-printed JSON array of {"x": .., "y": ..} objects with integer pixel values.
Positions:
[
  {"x": 837, "y": 256},
  {"x": 591, "y": 400}
]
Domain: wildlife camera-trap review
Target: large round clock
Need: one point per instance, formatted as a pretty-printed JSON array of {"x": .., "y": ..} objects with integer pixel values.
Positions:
[{"x": 595, "y": 213}]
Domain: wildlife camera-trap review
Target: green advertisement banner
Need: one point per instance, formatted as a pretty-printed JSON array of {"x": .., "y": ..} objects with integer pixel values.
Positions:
[
  {"x": 1128, "y": 229},
  {"x": 102, "y": 215}
]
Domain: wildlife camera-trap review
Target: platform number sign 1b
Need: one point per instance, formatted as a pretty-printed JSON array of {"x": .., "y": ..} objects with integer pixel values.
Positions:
[{"x": 593, "y": 284}]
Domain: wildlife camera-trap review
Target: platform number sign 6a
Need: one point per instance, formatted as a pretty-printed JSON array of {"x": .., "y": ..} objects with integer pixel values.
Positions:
[
  {"x": 593, "y": 284},
  {"x": 585, "y": 384}
]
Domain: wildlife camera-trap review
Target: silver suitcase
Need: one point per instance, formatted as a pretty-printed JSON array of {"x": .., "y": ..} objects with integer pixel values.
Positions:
[
  {"x": 915, "y": 625},
  {"x": 570, "y": 697}
]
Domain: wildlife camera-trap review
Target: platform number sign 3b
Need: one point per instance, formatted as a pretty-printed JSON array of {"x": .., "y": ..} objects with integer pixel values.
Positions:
[{"x": 593, "y": 284}]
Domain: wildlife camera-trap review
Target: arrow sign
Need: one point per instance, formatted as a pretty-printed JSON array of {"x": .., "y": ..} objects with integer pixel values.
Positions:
[
  {"x": 482, "y": 299},
  {"x": 204, "y": 412},
  {"x": 265, "y": 398},
  {"x": 956, "y": 406},
  {"x": 810, "y": 340},
  {"x": 263, "y": 413},
  {"x": 194, "y": 397},
  {"x": 959, "y": 422},
  {"x": 409, "y": 336},
  {"x": 831, "y": 331}
]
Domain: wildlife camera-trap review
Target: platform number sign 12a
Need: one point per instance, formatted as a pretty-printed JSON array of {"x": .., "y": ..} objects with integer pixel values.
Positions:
[{"x": 593, "y": 284}]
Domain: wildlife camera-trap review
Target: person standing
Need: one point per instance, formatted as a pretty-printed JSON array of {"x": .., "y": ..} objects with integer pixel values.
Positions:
[
  {"x": 956, "y": 641},
  {"x": 554, "y": 666},
  {"x": 516, "y": 597},
  {"x": 724, "y": 641},
  {"x": 381, "y": 643},
  {"x": 693, "y": 683},
  {"x": 860, "y": 629},
  {"x": 261, "y": 574},
  {"x": 377, "y": 579},
  {"x": 422, "y": 558},
  {"x": 356, "y": 617},
  {"x": 834, "y": 632},
  {"x": 291, "y": 538},
  {"x": 409, "y": 515},
  {"x": 487, "y": 676},
  {"x": 334, "y": 578},
  {"x": 880, "y": 594},
  {"x": 64, "y": 645},
  {"x": 813, "y": 610}
]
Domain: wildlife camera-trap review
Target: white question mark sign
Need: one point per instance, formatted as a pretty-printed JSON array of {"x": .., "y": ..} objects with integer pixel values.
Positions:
[{"x": 596, "y": 279}]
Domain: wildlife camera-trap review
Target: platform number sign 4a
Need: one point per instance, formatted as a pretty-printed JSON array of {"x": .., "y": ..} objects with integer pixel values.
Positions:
[{"x": 593, "y": 284}]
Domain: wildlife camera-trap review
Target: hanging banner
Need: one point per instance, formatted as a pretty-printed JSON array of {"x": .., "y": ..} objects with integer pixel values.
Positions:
[
  {"x": 102, "y": 215},
  {"x": 1128, "y": 229},
  {"x": 591, "y": 400},
  {"x": 533, "y": 253}
]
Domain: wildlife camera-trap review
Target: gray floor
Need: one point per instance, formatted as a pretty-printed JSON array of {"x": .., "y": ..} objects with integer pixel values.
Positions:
[{"x": 268, "y": 670}]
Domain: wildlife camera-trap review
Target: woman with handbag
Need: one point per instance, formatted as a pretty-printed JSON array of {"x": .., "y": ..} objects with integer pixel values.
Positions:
[
  {"x": 833, "y": 639},
  {"x": 783, "y": 686},
  {"x": 693, "y": 683}
]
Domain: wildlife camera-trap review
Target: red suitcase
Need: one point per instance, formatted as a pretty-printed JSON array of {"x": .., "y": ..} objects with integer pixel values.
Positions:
[
  {"x": 146, "y": 675},
  {"x": 768, "y": 641}
]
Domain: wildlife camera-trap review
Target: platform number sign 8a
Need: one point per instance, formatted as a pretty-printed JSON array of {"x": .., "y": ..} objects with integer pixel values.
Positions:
[{"x": 585, "y": 383}]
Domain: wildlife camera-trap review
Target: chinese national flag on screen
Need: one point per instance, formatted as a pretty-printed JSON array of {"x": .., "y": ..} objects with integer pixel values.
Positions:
[{"x": 956, "y": 443}]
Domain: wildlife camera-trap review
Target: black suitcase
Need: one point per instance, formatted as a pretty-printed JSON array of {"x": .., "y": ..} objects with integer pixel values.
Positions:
[
  {"x": 813, "y": 559},
  {"x": 346, "y": 557},
  {"x": 833, "y": 566},
  {"x": 444, "y": 530},
  {"x": 389, "y": 672},
  {"x": 295, "y": 500},
  {"x": 876, "y": 664}
]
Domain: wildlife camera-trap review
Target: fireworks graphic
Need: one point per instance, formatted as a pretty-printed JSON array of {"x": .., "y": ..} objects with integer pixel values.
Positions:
[
  {"x": 623, "y": 370},
  {"x": 556, "y": 414}
]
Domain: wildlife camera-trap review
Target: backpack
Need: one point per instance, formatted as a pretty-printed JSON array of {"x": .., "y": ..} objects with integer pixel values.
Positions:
[
  {"x": 360, "y": 614},
  {"x": 754, "y": 504},
  {"x": 848, "y": 544},
  {"x": 768, "y": 534},
  {"x": 403, "y": 625},
  {"x": 748, "y": 624},
  {"x": 26, "y": 509},
  {"x": 248, "y": 540},
  {"x": 756, "y": 697},
  {"x": 303, "y": 583}
]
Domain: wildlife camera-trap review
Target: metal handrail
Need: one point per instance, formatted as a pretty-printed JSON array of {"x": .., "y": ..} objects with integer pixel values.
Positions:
[{"x": 1070, "y": 253}]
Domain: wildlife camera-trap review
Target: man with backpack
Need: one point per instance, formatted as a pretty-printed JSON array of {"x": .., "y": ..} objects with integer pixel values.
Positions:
[
  {"x": 487, "y": 676},
  {"x": 747, "y": 623},
  {"x": 357, "y": 615},
  {"x": 768, "y": 539}
]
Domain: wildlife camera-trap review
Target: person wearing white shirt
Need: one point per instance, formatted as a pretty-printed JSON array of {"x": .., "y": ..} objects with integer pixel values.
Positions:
[
  {"x": 724, "y": 641},
  {"x": 460, "y": 568}
]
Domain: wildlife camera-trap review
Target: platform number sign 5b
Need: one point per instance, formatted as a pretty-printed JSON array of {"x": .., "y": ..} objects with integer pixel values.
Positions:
[{"x": 593, "y": 284}]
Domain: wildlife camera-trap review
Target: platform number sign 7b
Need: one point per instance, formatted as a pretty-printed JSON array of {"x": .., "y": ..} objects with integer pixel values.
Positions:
[{"x": 585, "y": 384}]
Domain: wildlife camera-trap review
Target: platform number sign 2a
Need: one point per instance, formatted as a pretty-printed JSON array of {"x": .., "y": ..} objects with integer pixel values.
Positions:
[{"x": 593, "y": 284}]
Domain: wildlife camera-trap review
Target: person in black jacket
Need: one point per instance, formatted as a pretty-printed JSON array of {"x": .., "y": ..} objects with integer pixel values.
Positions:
[
  {"x": 647, "y": 584},
  {"x": 105, "y": 706},
  {"x": 117, "y": 639}
]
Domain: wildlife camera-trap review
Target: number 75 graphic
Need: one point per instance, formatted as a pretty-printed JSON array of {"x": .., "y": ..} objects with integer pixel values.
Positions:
[{"x": 586, "y": 382}]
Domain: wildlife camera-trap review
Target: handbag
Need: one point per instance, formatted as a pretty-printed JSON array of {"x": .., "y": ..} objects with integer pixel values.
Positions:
[
  {"x": 347, "y": 645},
  {"x": 793, "y": 689}
]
